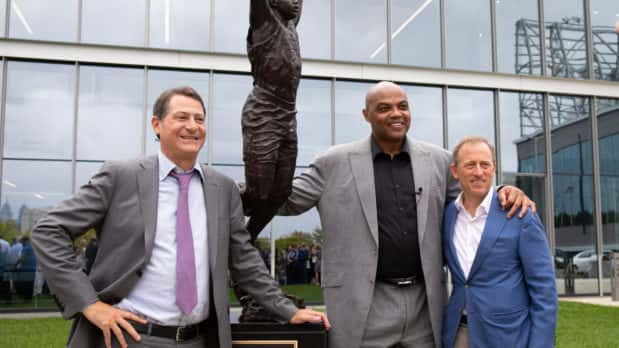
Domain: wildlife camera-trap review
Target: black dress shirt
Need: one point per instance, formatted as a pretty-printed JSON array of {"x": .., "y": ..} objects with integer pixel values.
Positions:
[{"x": 396, "y": 204}]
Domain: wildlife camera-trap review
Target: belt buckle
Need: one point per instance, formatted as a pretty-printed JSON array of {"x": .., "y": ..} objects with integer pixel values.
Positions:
[
  {"x": 404, "y": 283},
  {"x": 178, "y": 334}
]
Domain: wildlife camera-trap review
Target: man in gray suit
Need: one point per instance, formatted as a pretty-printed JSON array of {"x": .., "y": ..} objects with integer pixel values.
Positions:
[
  {"x": 168, "y": 230},
  {"x": 381, "y": 202}
]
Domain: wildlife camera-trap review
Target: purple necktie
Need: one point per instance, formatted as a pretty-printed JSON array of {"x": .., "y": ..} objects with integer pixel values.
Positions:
[{"x": 186, "y": 289}]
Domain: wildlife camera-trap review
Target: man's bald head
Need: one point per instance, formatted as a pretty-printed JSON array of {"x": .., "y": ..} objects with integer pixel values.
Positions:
[{"x": 381, "y": 88}]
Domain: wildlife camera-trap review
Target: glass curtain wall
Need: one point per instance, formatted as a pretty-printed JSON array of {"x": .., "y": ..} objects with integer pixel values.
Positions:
[
  {"x": 467, "y": 35},
  {"x": 518, "y": 37},
  {"x": 572, "y": 169},
  {"x": 566, "y": 44},
  {"x": 180, "y": 24},
  {"x": 605, "y": 34},
  {"x": 43, "y": 20},
  {"x": 607, "y": 113},
  {"x": 416, "y": 33}
]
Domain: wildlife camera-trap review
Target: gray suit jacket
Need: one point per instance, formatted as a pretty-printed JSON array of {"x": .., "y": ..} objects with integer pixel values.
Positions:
[
  {"x": 340, "y": 183},
  {"x": 120, "y": 202}
]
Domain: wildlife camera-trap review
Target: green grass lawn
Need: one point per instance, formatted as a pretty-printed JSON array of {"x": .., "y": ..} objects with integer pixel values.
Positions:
[{"x": 579, "y": 326}]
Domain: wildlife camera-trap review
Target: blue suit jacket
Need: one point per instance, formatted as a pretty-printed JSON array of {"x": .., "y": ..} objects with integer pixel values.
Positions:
[{"x": 510, "y": 293}]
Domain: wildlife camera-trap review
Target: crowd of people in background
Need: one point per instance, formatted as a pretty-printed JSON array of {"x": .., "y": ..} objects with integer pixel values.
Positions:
[
  {"x": 18, "y": 268},
  {"x": 299, "y": 265}
]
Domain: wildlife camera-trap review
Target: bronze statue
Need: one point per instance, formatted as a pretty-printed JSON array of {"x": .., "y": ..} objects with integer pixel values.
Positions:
[
  {"x": 269, "y": 122},
  {"x": 269, "y": 115}
]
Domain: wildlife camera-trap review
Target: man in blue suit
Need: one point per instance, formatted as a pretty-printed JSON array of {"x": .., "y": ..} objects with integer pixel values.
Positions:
[{"x": 504, "y": 292}]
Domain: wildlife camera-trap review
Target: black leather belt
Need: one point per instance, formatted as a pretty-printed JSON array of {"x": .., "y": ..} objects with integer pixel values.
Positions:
[
  {"x": 177, "y": 333},
  {"x": 402, "y": 282},
  {"x": 464, "y": 320}
]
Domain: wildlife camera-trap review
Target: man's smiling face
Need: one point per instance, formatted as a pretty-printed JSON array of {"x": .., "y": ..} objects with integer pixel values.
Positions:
[
  {"x": 388, "y": 113},
  {"x": 181, "y": 130}
]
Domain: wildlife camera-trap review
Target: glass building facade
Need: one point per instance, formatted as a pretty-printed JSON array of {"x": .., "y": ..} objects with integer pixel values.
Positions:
[{"x": 538, "y": 78}]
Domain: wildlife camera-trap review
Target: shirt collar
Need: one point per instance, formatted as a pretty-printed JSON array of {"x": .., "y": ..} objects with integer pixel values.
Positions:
[
  {"x": 377, "y": 150},
  {"x": 166, "y": 166},
  {"x": 484, "y": 207}
]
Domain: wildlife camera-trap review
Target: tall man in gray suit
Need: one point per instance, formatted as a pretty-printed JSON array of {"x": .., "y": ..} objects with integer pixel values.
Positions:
[
  {"x": 168, "y": 230},
  {"x": 381, "y": 202}
]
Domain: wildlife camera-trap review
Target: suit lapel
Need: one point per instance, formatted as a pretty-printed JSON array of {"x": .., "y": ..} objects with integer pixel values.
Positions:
[
  {"x": 212, "y": 195},
  {"x": 423, "y": 185},
  {"x": 148, "y": 188},
  {"x": 492, "y": 230},
  {"x": 363, "y": 173},
  {"x": 451, "y": 217}
]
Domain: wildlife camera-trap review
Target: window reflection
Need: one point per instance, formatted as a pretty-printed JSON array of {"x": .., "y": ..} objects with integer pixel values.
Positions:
[
  {"x": 605, "y": 22},
  {"x": 161, "y": 80},
  {"x": 315, "y": 29},
  {"x": 518, "y": 37},
  {"x": 39, "y": 110},
  {"x": 349, "y": 103},
  {"x": 2, "y": 17},
  {"x": 84, "y": 171},
  {"x": 522, "y": 132},
  {"x": 351, "y": 18},
  {"x": 415, "y": 32},
  {"x": 566, "y": 47},
  {"x": 229, "y": 94},
  {"x": 27, "y": 195},
  {"x": 110, "y": 113},
  {"x": 469, "y": 112},
  {"x": 313, "y": 119},
  {"x": 426, "y": 105},
  {"x": 607, "y": 111},
  {"x": 114, "y": 22},
  {"x": 180, "y": 24},
  {"x": 467, "y": 34},
  {"x": 43, "y": 20},
  {"x": 575, "y": 233},
  {"x": 231, "y": 22}
]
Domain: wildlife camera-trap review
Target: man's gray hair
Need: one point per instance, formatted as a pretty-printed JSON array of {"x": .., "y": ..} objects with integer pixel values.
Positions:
[{"x": 472, "y": 140}]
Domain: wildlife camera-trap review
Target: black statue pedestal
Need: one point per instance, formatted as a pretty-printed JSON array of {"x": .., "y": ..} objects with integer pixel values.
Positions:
[{"x": 261, "y": 335}]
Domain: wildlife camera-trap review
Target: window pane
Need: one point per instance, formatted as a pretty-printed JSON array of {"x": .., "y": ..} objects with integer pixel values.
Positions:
[
  {"x": 522, "y": 133},
  {"x": 161, "y": 80},
  {"x": 43, "y": 20},
  {"x": 518, "y": 37},
  {"x": 566, "y": 48},
  {"x": 39, "y": 110},
  {"x": 114, "y": 22},
  {"x": 575, "y": 233},
  {"x": 229, "y": 94},
  {"x": 426, "y": 105},
  {"x": 84, "y": 171},
  {"x": 467, "y": 35},
  {"x": 469, "y": 112},
  {"x": 110, "y": 114},
  {"x": 349, "y": 103},
  {"x": 605, "y": 21},
  {"x": 351, "y": 18},
  {"x": 231, "y": 22},
  {"x": 608, "y": 133},
  {"x": 313, "y": 119},
  {"x": 2, "y": 17},
  {"x": 180, "y": 24},
  {"x": 315, "y": 29},
  {"x": 415, "y": 33},
  {"x": 27, "y": 195}
]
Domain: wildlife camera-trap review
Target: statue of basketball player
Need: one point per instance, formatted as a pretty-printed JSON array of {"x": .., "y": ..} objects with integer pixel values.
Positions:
[{"x": 269, "y": 115}]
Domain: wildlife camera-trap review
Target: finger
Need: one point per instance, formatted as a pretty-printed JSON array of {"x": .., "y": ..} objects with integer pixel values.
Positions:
[
  {"x": 119, "y": 335},
  {"x": 502, "y": 198},
  {"x": 514, "y": 207},
  {"x": 129, "y": 329},
  {"x": 525, "y": 207},
  {"x": 134, "y": 317},
  {"x": 325, "y": 320},
  {"x": 107, "y": 338},
  {"x": 533, "y": 207}
]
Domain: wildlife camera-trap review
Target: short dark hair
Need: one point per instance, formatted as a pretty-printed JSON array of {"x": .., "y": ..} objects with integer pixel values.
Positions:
[
  {"x": 160, "y": 109},
  {"x": 472, "y": 140}
]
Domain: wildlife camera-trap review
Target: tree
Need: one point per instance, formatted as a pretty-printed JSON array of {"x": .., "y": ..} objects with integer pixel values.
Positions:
[
  {"x": 9, "y": 230},
  {"x": 317, "y": 236}
]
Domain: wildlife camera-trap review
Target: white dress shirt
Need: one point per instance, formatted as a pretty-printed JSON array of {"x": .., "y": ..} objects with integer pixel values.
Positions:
[
  {"x": 468, "y": 231},
  {"x": 154, "y": 296}
]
